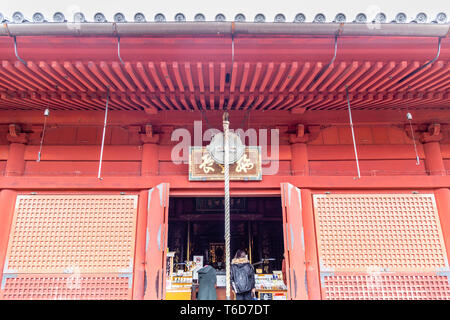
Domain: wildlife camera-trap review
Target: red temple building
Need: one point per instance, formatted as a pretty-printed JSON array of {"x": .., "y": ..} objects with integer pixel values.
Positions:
[{"x": 131, "y": 231}]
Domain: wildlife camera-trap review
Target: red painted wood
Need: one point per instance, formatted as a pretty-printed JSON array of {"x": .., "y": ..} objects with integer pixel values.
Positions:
[
  {"x": 367, "y": 167},
  {"x": 443, "y": 205},
  {"x": 82, "y": 168},
  {"x": 365, "y": 152},
  {"x": 299, "y": 162},
  {"x": 7, "y": 203},
  {"x": 258, "y": 118},
  {"x": 312, "y": 260},
  {"x": 156, "y": 242},
  {"x": 4, "y": 150},
  {"x": 84, "y": 153},
  {"x": 294, "y": 242},
  {"x": 139, "y": 256},
  {"x": 433, "y": 158},
  {"x": 150, "y": 165},
  {"x": 15, "y": 165},
  {"x": 181, "y": 182}
]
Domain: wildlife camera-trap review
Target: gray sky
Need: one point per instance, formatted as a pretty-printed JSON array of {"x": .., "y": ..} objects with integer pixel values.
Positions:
[{"x": 228, "y": 7}]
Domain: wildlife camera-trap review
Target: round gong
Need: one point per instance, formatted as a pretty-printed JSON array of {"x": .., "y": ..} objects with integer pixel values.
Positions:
[{"x": 216, "y": 148}]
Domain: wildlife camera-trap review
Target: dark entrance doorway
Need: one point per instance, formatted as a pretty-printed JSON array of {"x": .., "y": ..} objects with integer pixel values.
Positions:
[{"x": 196, "y": 227}]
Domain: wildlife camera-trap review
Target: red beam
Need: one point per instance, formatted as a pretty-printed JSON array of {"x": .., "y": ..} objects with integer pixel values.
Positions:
[{"x": 269, "y": 182}]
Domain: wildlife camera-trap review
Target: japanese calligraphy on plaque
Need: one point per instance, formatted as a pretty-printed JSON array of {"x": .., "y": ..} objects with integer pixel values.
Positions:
[{"x": 202, "y": 166}]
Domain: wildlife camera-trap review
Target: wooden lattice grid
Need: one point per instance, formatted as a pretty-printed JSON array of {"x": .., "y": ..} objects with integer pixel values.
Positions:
[{"x": 369, "y": 232}]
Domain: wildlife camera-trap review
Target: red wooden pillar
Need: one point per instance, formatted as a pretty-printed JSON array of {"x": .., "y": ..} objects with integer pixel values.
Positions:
[
  {"x": 432, "y": 148},
  {"x": 312, "y": 263},
  {"x": 139, "y": 256},
  {"x": 299, "y": 159},
  {"x": 300, "y": 166},
  {"x": 299, "y": 152},
  {"x": 442, "y": 196},
  {"x": 150, "y": 159},
  {"x": 435, "y": 166},
  {"x": 150, "y": 152},
  {"x": 7, "y": 202},
  {"x": 15, "y": 166},
  {"x": 433, "y": 158}
]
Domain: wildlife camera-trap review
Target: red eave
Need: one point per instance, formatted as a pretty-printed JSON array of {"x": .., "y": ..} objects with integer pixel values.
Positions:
[{"x": 184, "y": 73}]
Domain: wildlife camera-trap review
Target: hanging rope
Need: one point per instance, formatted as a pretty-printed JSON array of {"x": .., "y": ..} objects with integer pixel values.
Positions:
[
  {"x": 46, "y": 114},
  {"x": 226, "y": 146},
  {"x": 409, "y": 117},
  {"x": 103, "y": 138},
  {"x": 353, "y": 132}
]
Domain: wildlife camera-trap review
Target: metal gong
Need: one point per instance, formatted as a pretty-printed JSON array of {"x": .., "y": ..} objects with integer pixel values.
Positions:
[{"x": 217, "y": 152}]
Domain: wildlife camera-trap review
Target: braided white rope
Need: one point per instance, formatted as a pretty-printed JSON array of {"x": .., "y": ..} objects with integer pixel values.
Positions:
[{"x": 227, "y": 204}]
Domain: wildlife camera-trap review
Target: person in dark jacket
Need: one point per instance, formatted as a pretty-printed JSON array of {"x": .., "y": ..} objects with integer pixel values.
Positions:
[
  {"x": 207, "y": 279},
  {"x": 242, "y": 277}
]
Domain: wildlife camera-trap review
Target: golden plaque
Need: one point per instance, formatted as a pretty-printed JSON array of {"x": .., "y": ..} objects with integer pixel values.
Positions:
[{"x": 202, "y": 166}]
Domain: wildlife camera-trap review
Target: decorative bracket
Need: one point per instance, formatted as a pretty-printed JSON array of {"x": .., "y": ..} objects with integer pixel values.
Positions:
[
  {"x": 305, "y": 134},
  {"x": 16, "y": 134},
  {"x": 425, "y": 133},
  {"x": 149, "y": 136},
  {"x": 432, "y": 134}
]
